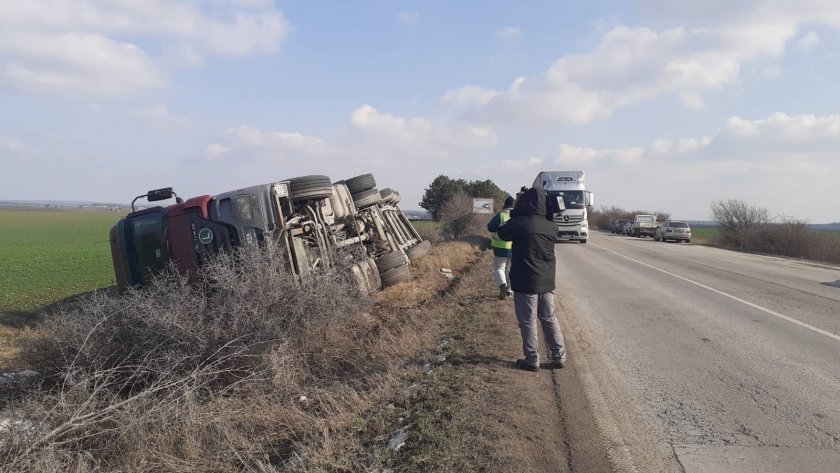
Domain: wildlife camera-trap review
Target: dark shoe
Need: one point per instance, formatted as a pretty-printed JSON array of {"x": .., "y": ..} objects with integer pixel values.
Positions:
[
  {"x": 503, "y": 290},
  {"x": 524, "y": 365},
  {"x": 557, "y": 364},
  {"x": 510, "y": 293}
]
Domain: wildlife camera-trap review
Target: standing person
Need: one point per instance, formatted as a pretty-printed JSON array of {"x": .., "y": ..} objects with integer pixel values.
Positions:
[
  {"x": 501, "y": 250},
  {"x": 532, "y": 277}
]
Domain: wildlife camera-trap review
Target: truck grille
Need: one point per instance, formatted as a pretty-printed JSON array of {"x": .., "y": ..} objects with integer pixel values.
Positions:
[{"x": 572, "y": 219}]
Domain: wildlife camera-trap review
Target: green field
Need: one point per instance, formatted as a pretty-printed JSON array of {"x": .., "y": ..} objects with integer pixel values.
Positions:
[
  {"x": 48, "y": 255},
  {"x": 703, "y": 234}
]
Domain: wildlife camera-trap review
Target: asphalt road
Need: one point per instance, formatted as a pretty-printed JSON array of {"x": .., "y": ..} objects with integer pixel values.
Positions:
[{"x": 703, "y": 360}]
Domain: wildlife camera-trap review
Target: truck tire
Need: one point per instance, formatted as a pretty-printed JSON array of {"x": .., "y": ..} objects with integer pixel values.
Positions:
[
  {"x": 360, "y": 183},
  {"x": 367, "y": 198},
  {"x": 583, "y": 240},
  {"x": 310, "y": 187},
  {"x": 419, "y": 250},
  {"x": 390, "y": 261},
  {"x": 396, "y": 275},
  {"x": 390, "y": 195}
]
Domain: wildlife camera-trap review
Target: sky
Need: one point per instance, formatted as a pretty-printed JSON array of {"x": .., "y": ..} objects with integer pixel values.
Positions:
[{"x": 667, "y": 106}]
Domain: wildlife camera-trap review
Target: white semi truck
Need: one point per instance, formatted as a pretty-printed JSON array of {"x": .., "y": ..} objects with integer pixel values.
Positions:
[{"x": 568, "y": 188}]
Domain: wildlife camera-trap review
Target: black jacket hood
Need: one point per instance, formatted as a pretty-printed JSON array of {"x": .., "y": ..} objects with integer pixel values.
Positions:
[{"x": 530, "y": 202}]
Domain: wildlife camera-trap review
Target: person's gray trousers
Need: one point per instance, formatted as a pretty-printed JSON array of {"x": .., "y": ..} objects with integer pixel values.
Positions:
[{"x": 529, "y": 308}]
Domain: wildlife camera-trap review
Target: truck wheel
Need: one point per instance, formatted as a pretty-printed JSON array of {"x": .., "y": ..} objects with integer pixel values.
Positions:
[
  {"x": 419, "y": 250},
  {"x": 367, "y": 198},
  {"x": 583, "y": 240},
  {"x": 360, "y": 183},
  {"x": 390, "y": 261},
  {"x": 310, "y": 187},
  {"x": 390, "y": 195},
  {"x": 396, "y": 275}
]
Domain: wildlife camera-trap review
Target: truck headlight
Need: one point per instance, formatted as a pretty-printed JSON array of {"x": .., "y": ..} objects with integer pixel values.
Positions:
[{"x": 281, "y": 189}]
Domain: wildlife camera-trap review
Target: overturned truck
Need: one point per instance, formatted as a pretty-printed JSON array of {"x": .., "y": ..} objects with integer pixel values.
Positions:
[{"x": 309, "y": 216}]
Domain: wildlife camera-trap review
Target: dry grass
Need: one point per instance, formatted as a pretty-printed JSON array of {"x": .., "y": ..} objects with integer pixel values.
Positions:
[
  {"x": 427, "y": 279},
  {"x": 247, "y": 371}
]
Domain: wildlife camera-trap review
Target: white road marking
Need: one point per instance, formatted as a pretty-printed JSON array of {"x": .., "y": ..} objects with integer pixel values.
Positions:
[{"x": 735, "y": 298}]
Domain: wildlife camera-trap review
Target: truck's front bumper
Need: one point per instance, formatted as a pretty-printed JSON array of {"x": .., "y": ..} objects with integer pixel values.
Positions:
[{"x": 572, "y": 233}]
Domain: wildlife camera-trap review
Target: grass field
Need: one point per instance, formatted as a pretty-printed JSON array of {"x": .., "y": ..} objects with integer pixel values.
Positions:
[
  {"x": 703, "y": 234},
  {"x": 48, "y": 255}
]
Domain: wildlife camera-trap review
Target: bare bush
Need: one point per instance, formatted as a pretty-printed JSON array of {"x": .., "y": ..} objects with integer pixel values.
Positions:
[
  {"x": 603, "y": 218},
  {"x": 457, "y": 218},
  {"x": 750, "y": 228},
  {"x": 740, "y": 223},
  {"x": 180, "y": 377}
]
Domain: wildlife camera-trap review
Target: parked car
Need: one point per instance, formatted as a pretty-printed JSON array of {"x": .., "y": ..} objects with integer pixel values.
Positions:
[
  {"x": 618, "y": 225},
  {"x": 675, "y": 230},
  {"x": 644, "y": 225},
  {"x": 628, "y": 228}
]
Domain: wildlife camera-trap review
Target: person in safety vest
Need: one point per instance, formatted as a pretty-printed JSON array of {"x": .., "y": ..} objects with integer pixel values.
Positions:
[{"x": 501, "y": 251}]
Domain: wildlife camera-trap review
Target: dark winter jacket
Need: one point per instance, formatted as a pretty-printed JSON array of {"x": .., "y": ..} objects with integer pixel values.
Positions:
[{"x": 533, "y": 237}]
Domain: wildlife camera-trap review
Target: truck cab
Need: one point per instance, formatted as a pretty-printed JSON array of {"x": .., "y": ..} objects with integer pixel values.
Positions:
[
  {"x": 147, "y": 240},
  {"x": 568, "y": 190}
]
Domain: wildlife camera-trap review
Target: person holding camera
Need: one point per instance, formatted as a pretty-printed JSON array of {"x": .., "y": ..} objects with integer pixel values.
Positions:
[{"x": 532, "y": 277}]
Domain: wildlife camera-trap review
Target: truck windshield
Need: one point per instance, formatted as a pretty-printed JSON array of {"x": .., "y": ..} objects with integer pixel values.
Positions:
[
  {"x": 572, "y": 199},
  {"x": 146, "y": 247}
]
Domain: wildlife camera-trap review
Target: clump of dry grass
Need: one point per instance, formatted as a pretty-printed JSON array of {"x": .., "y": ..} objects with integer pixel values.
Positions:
[
  {"x": 245, "y": 370},
  {"x": 427, "y": 279}
]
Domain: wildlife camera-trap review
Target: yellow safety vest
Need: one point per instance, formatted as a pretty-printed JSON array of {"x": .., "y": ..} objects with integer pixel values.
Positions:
[{"x": 497, "y": 242}]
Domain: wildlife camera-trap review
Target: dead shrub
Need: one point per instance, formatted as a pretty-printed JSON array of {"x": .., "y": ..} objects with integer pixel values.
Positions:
[
  {"x": 457, "y": 217},
  {"x": 200, "y": 375},
  {"x": 246, "y": 370}
]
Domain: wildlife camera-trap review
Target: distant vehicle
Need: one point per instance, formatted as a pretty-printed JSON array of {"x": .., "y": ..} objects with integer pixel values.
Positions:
[
  {"x": 618, "y": 225},
  {"x": 572, "y": 200},
  {"x": 673, "y": 230},
  {"x": 644, "y": 225},
  {"x": 627, "y": 229}
]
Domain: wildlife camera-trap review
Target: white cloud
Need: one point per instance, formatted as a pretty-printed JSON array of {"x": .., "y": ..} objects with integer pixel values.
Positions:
[
  {"x": 159, "y": 117},
  {"x": 809, "y": 41},
  {"x": 417, "y": 133},
  {"x": 568, "y": 154},
  {"x": 509, "y": 33},
  {"x": 106, "y": 48},
  {"x": 682, "y": 146},
  {"x": 216, "y": 151},
  {"x": 14, "y": 147},
  {"x": 628, "y": 65},
  {"x": 276, "y": 144},
  {"x": 754, "y": 160},
  {"x": 509, "y": 165}
]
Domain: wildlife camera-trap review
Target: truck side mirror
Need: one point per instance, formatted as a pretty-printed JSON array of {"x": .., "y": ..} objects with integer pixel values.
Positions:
[
  {"x": 159, "y": 194},
  {"x": 561, "y": 205},
  {"x": 590, "y": 198}
]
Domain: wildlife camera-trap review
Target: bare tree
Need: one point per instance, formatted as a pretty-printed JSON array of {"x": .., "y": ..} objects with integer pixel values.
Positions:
[
  {"x": 457, "y": 217},
  {"x": 739, "y": 221}
]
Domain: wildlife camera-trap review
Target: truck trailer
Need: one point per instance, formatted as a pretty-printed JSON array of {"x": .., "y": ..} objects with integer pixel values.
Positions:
[{"x": 570, "y": 214}]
